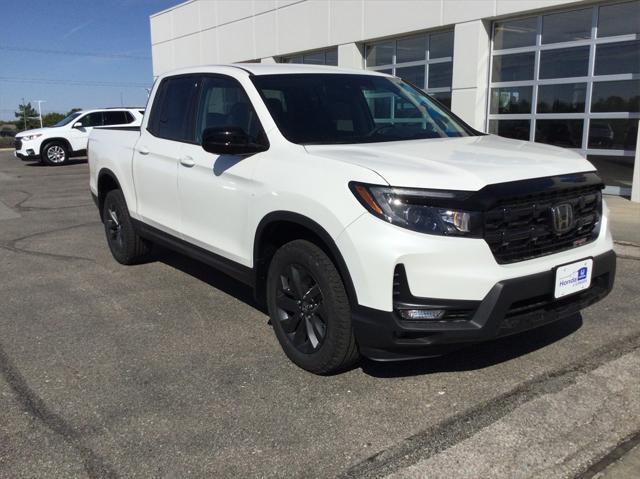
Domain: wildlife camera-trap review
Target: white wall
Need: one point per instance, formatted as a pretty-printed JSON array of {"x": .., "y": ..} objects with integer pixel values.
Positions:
[
  {"x": 217, "y": 31},
  {"x": 225, "y": 31}
]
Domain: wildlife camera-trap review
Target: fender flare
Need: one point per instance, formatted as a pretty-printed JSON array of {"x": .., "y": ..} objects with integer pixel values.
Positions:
[{"x": 317, "y": 230}]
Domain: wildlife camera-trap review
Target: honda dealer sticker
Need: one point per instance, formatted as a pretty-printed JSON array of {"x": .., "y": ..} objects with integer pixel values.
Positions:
[{"x": 573, "y": 277}]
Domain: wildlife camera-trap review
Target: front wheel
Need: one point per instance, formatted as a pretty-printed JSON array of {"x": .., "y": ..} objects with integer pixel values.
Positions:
[
  {"x": 55, "y": 153},
  {"x": 309, "y": 309}
]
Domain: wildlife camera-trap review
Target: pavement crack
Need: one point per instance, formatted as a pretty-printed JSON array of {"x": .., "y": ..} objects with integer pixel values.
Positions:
[
  {"x": 13, "y": 244},
  {"x": 94, "y": 465},
  {"x": 450, "y": 432}
]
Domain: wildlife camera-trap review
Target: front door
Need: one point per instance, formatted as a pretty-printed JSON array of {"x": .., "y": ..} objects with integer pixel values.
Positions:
[
  {"x": 215, "y": 190},
  {"x": 78, "y": 137}
]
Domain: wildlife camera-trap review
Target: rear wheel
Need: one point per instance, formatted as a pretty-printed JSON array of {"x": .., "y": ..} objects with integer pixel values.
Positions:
[
  {"x": 125, "y": 244},
  {"x": 55, "y": 153},
  {"x": 309, "y": 309}
]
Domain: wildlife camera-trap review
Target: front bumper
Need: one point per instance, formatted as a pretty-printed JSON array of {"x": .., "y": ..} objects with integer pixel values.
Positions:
[
  {"x": 25, "y": 152},
  {"x": 511, "y": 306}
]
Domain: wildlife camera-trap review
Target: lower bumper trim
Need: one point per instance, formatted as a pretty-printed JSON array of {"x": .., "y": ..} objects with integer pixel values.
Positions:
[{"x": 511, "y": 306}]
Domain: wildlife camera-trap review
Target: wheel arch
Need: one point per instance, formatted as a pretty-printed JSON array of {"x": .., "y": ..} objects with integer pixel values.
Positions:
[
  {"x": 62, "y": 140},
  {"x": 280, "y": 227},
  {"x": 107, "y": 181}
]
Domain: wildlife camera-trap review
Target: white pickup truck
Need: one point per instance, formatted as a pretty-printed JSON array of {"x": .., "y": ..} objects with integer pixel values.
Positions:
[{"x": 370, "y": 219}]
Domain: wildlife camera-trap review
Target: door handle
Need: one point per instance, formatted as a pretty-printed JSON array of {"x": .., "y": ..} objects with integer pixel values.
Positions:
[
  {"x": 143, "y": 151},
  {"x": 187, "y": 161}
]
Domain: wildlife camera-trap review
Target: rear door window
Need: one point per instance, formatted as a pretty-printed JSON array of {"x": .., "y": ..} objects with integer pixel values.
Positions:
[
  {"x": 115, "y": 118},
  {"x": 172, "y": 112}
]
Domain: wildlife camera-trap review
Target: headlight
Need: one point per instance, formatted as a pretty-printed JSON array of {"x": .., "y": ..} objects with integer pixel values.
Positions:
[
  {"x": 419, "y": 210},
  {"x": 30, "y": 137}
]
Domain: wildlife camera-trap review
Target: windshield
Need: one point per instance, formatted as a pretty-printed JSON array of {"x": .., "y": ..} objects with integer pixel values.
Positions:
[
  {"x": 68, "y": 119},
  {"x": 347, "y": 108}
]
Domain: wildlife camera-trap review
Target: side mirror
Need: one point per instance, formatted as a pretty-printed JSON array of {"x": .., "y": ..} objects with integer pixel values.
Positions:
[
  {"x": 230, "y": 140},
  {"x": 78, "y": 124}
]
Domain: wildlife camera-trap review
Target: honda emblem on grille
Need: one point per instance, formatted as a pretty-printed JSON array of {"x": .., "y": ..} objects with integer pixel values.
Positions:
[{"x": 562, "y": 217}]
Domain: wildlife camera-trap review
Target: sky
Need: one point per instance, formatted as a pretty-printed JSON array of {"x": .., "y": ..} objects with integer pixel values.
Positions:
[{"x": 75, "y": 53}]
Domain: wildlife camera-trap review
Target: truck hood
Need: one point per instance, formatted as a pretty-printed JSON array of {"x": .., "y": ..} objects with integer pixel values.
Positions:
[{"x": 467, "y": 163}]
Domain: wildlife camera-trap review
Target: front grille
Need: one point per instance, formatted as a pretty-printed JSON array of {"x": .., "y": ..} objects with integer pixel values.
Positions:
[
  {"x": 17, "y": 144},
  {"x": 521, "y": 228}
]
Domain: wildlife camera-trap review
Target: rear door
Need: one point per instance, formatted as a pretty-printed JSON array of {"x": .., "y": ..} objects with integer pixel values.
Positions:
[
  {"x": 158, "y": 151},
  {"x": 215, "y": 190}
]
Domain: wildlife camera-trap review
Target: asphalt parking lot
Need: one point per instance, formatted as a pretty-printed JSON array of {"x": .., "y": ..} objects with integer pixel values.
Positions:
[{"x": 168, "y": 369}]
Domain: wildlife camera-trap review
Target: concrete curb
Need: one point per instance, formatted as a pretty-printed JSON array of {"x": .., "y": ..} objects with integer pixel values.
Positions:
[{"x": 6, "y": 149}]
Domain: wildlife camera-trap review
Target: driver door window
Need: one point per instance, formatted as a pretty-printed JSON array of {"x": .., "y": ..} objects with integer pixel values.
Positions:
[
  {"x": 223, "y": 103},
  {"x": 92, "y": 119}
]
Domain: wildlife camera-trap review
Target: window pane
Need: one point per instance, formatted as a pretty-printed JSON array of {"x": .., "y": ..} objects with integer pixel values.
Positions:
[
  {"x": 173, "y": 115},
  {"x": 518, "y": 129},
  {"x": 513, "y": 67},
  {"x": 620, "y": 19},
  {"x": 613, "y": 58},
  {"x": 443, "y": 97},
  {"x": 411, "y": 49},
  {"x": 440, "y": 75},
  {"x": 613, "y": 134},
  {"x": 515, "y": 33},
  {"x": 331, "y": 57},
  {"x": 413, "y": 75},
  {"x": 620, "y": 96},
  {"x": 223, "y": 103},
  {"x": 296, "y": 59},
  {"x": 316, "y": 58},
  {"x": 511, "y": 99},
  {"x": 567, "y": 27},
  {"x": 566, "y": 133},
  {"x": 565, "y": 98},
  {"x": 564, "y": 62},
  {"x": 92, "y": 119},
  {"x": 441, "y": 45},
  {"x": 380, "y": 54},
  {"x": 614, "y": 170},
  {"x": 114, "y": 118}
]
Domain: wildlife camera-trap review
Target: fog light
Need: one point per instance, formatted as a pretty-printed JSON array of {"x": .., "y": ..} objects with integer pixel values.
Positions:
[{"x": 421, "y": 314}]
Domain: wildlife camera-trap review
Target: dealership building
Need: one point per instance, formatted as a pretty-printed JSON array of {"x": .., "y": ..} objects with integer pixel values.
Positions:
[{"x": 562, "y": 72}]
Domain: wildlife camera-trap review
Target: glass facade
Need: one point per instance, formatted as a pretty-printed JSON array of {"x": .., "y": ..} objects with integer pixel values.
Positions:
[
  {"x": 319, "y": 57},
  {"x": 572, "y": 79},
  {"x": 424, "y": 60}
]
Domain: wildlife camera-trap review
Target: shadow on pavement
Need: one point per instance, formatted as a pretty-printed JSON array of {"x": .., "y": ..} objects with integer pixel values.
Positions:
[
  {"x": 473, "y": 357},
  {"x": 207, "y": 274}
]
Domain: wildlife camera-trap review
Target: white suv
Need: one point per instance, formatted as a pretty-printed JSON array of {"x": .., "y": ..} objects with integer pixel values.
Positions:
[
  {"x": 369, "y": 218},
  {"x": 68, "y": 138}
]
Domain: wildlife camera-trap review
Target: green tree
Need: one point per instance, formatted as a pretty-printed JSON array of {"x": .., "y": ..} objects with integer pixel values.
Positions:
[
  {"x": 27, "y": 117},
  {"x": 50, "y": 119}
]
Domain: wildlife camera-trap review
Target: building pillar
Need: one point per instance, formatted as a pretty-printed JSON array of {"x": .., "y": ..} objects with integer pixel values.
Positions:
[
  {"x": 351, "y": 55},
  {"x": 268, "y": 60},
  {"x": 635, "y": 182},
  {"x": 470, "y": 85}
]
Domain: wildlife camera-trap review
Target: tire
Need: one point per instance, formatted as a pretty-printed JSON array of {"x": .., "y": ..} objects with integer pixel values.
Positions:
[
  {"x": 55, "y": 153},
  {"x": 309, "y": 309},
  {"x": 125, "y": 244}
]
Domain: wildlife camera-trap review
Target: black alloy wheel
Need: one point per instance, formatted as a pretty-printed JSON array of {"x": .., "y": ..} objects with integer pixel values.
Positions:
[
  {"x": 309, "y": 309},
  {"x": 301, "y": 311}
]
